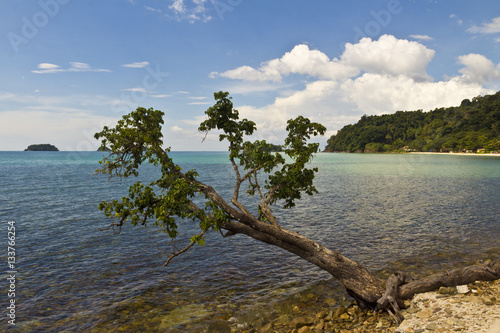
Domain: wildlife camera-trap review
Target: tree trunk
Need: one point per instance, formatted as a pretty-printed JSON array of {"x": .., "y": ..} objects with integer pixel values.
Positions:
[{"x": 362, "y": 285}]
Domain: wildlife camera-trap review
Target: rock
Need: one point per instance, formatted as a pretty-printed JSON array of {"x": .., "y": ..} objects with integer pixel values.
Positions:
[
  {"x": 345, "y": 316},
  {"x": 352, "y": 311},
  {"x": 301, "y": 322},
  {"x": 219, "y": 326},
  {"x": 320, "y": 327},
  {"x": 463, "y": 289},
  {"x": 321, "y": 315},
  {"x": 268, "y": 328},
  {"x": 432, "y": 327},
  {"x": 330, "y": 315},
  {"x": 340, "y": 311},
  {"x": 447, "y": 290},
  {"x": 305, "y": 329},
  {"x": 425, "y": 314},
  {"x": 331, "y": 302},
  {"x": 284, "y": 319},
  {"x": 487, "y": 300}
]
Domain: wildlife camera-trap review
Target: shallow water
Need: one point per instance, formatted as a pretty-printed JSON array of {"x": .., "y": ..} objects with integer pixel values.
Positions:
[{"x": 418, "y": 212}]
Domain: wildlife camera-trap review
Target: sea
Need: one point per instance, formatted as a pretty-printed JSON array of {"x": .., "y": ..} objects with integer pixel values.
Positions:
[{"x": 63, "y": 269}]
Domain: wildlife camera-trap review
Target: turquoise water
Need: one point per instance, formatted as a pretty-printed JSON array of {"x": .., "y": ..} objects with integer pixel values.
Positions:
[{"x": 419, "y": 212}]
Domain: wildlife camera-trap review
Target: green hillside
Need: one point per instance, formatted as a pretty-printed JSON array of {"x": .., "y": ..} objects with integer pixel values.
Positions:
[
  {"x": 472, "y": 126},
  {"x": 42, "y": 147}
]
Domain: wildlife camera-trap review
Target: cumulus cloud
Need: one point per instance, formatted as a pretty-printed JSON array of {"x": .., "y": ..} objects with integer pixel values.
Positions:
[
  {"x": 486, "y": 28},
  {"x": 380, "y": 94},
  {"x": 388, "y": 55},
  {"x": 46, "y": 68},
  {"x": 300, "y": 60},
  {"x": 370, "y": 77},
  {"x": 478, "y": 68},
  {"x": 391, "y": 56}
]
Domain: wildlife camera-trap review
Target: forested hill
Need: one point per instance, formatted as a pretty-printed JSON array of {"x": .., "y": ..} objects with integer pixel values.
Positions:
[{"x": 472, "y": 126}]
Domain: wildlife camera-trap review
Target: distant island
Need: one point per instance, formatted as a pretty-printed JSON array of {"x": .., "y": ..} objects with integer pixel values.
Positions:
[
  {"x": 42, "y": 147},
  {"x": 472, "y": 127},
  {"x": 103, "y": 149}
]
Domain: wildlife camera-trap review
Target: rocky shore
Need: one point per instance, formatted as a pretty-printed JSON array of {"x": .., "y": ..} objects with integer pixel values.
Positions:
[{"x": 473, "y": 309}]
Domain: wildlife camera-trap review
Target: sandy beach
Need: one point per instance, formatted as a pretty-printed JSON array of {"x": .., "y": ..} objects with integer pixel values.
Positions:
[{"x": 454, "y": 154}]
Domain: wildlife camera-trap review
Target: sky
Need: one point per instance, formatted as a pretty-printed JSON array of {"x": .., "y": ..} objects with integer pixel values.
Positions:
[{"x": 70, "y": 67}]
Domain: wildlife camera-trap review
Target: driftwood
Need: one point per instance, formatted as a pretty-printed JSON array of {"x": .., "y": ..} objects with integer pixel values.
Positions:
[
  {"x": 397, "y": 289},
  {"x": 489, "y": 271}
]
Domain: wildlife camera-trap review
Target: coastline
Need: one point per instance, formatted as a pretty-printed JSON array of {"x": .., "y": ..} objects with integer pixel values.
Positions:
[
  {"x": 452, "y": 154},
  {"x": 446, "y": 310}
]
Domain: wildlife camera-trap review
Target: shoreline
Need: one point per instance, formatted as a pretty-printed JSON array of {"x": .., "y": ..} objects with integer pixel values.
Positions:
[
  {"x": 446, "y": 310},
  {"x": 451, "y": 154},
  {"x": 412, "y": 153}
]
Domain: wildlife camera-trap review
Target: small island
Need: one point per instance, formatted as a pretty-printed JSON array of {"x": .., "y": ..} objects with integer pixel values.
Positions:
[{"x": 42, "y": 147}]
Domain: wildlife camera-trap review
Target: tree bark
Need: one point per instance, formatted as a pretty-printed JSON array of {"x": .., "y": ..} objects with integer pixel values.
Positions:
[{"x": 489, "y": 271}]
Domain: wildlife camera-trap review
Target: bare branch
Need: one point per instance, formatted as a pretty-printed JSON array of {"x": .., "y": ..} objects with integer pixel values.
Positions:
[
  {"x": 113, "y": 225},
  {"x": 175, "y": 254}
]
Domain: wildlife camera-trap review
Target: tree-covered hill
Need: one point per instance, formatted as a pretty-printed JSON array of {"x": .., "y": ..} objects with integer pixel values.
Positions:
[
  {"x": 42, "y": 147},
  {"x": 472, "y": 126}
]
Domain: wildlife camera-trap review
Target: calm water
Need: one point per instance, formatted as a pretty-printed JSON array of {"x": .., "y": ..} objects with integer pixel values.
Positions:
[{"x": 419, "y": 212}]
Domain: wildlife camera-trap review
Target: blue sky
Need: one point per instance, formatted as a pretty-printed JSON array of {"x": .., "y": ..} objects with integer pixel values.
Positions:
[{"x": 69, "y": 67}]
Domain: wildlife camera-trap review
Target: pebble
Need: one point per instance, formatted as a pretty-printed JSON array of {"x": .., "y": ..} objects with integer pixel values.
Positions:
[
  {"x": 435, "y": 312},
  {"x": 476, "y": 311}
]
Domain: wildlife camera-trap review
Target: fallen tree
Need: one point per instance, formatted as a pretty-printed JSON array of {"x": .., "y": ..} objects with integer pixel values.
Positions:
[{"x": 267, "y": 176}]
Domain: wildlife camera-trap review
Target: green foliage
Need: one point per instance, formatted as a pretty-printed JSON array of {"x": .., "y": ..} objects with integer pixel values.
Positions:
[
  {"x": 474, "y": 124},
  {"x": 42, "y": 147},
  {"x": 137, "y": 140}
]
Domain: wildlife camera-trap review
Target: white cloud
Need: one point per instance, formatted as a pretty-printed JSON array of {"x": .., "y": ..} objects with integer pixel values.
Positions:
[
  {"x": 486, "y": 28},
  {"x": 370, "y": 77},
  {"x": 138, "y": 90},
  {"x": 380, "y": 94},
  {"x": 421, "y": 37},
  {"x": 455, "y": 17},
  {"x": 191, "y": 11},
  {"x": 46, "y": 68},
  {"x": 300, "y": 60},
  {"x": 151, "y": 9},
  {"x": 160, "y": 96},
  {"x": 478, "y": 68},
  {"x": 389, "y": 55},
  {"x": 141, "y": 64},
  {"x": 45, "y": 65}
]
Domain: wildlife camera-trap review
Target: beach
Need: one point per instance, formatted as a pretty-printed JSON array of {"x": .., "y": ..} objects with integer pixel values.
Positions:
[
  {"x": 453, "y": 154},
  {"x": 475, "y": 311}
]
